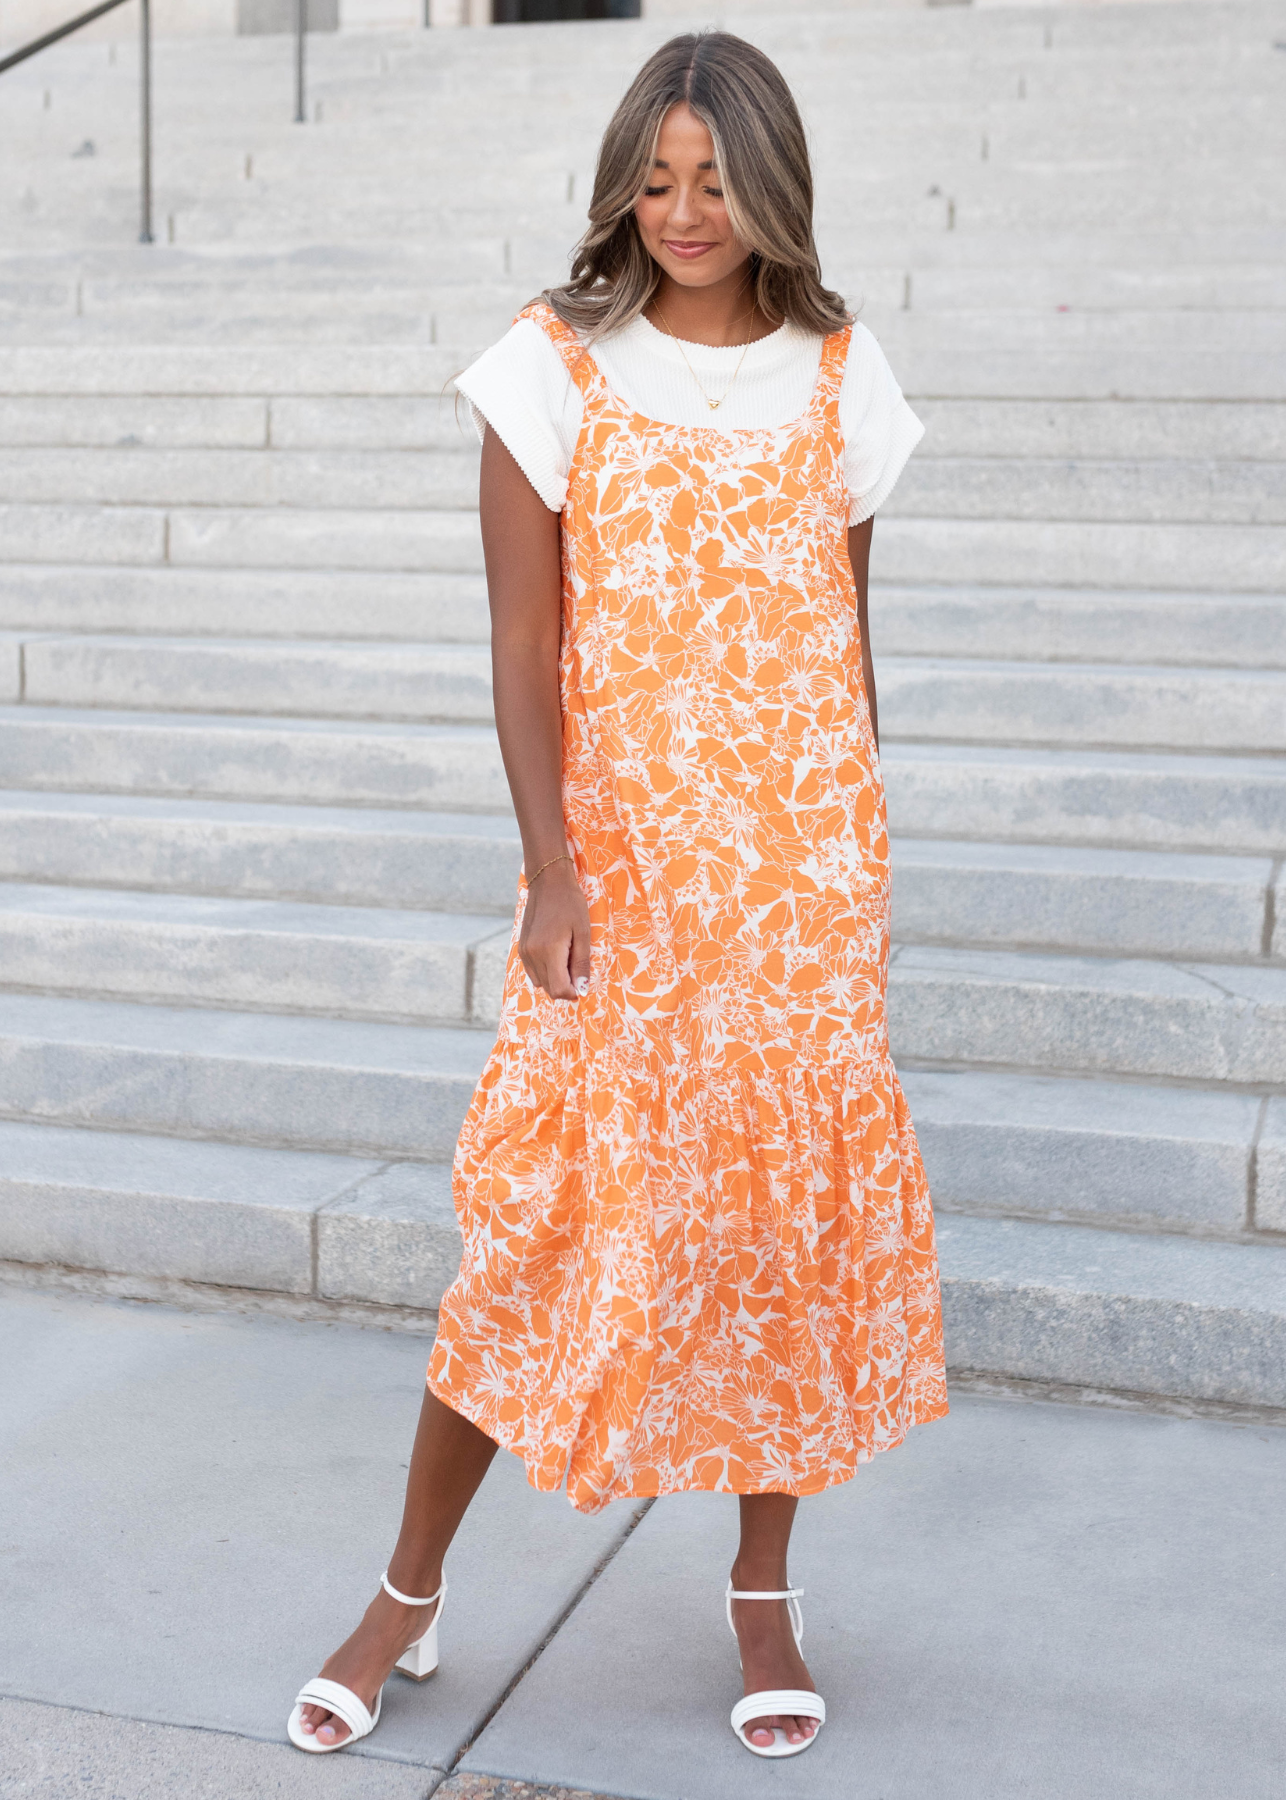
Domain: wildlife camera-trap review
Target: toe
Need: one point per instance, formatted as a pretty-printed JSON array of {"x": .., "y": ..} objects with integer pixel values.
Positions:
[{"x": 334, "y": 1731}]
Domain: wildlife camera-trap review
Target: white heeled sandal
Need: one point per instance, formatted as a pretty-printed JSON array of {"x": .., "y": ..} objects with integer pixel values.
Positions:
[
  {"x": 419, "y": 1660},
  {"x": 770, "y": 1701}
]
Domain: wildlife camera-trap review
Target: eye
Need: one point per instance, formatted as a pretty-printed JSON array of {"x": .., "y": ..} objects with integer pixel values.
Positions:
[{"x": 652, "y": 192}]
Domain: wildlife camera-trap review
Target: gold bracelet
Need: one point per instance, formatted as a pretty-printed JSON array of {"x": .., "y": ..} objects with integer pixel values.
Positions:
[{"x": 546, "y": 865}]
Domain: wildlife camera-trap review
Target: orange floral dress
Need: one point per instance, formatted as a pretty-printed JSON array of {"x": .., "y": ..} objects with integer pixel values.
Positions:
[{"x": 698, "y": 1243}]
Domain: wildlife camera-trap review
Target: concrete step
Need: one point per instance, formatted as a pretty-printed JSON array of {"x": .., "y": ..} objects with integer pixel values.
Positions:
[
  {"x": 1124, "y": 1153},
  {"x": 367, "y": 1088},
  {"x": 1270, "y": 1170},
  {"x": 229, "y": 292},
  {"x": 384, "y": 478},
  {"x": 1060, "y": 553},
  {"x": 1012, "y": 201},
  {"x": 335, "y": 315},
  {"x": 223, "y": 304},
  {"x": 502, "y": 242},
  {"x": 1066, "y": 368},
  {"x": 11, "y": 653},
  {"x": 223, "y": 1213},
  {"x": 151, "y": 421},
  {"x": 1076, "y": 625},
  {"x": 386, "y": 310},
  {"x": 1215, "y": 805},
  {"x": 348, "y": 1086},
  {"x": 220, "y": 756},
  {"x": 1125, "y": 800},
  {"x": 1054, "y": 624},
  {"x": 282, "y": 422},
  {"x": 256, "y": 955},
  {"x": 1203, "y": 1022},
  {"x": 1131, "y": 1312},
  {"x": 1088, "y": 288},
  {"x": 1024, "y": 487},
  {"x": 1159, "y": 431},
  {"x": 288, "y": 1221},
  {"x": 1129, "y": 902},
  {"x": 968, "y": 486},
  {"x": 1082, "y": 703},
  {"x": 167, "y": 601},
  {"x": 222, "y": 371},
  {"x": 407, "y": 371},
  {"x": 544, "y": 149},
  {"x": 231, "y": 537},
  {"x": 314, "y": 679},
  {"x": 338, "y": 857},
  {"x": 907, "y": 550},
  {"x": 952, "y": 271},
  {"x": 920, "y": 697},
  {"x": 211, "y": 756}
]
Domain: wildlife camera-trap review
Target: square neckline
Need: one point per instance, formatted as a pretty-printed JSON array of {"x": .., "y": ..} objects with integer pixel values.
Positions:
[{"x": 636, "y": 416}]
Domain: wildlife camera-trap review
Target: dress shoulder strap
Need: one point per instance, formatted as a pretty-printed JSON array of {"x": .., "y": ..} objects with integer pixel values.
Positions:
[
  {"x": 830, "y": 370},
  {"x": 580, "y": 364}
]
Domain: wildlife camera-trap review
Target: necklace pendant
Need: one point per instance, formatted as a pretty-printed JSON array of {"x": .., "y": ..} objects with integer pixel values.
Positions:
[{"x": 712, "y": 404}]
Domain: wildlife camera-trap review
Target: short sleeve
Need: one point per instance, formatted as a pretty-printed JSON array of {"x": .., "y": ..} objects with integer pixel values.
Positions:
[
  {"x": 522, "y": 390},
  {"x": 880, "y": 430}
]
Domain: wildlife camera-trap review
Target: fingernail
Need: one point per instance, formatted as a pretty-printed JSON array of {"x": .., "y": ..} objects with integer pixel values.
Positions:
[{"x": 582, "y": 985}]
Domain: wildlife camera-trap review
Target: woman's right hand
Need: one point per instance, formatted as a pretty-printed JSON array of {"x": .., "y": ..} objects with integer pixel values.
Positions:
[{"x": 554, "y": 941}]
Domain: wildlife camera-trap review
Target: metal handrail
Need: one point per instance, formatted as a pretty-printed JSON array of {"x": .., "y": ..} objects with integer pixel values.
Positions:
[
  {"x": 60, "y": 31},
  {"x": 145, "y": 89},
  {"x": 145, "y": 82},
  {"x": 301, "y": 34}
]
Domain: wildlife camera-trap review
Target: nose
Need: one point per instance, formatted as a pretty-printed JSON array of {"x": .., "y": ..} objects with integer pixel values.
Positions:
[{"x": 686, "y": 211}]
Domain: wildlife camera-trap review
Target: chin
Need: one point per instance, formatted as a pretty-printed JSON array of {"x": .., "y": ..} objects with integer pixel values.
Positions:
[{"x": 694, "y": 274}]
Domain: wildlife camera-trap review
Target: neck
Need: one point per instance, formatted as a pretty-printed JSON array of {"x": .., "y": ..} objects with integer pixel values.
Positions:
[{"x": 723, "y": 313}]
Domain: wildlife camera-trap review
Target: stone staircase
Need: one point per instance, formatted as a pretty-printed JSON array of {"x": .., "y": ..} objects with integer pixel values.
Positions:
[{"x": 256, "y": 856}]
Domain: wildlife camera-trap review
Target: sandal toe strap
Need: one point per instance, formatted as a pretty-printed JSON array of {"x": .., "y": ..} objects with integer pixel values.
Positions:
[
  {"x": 773, "y": 1702},
  {"x": 341, "y": 1701}
]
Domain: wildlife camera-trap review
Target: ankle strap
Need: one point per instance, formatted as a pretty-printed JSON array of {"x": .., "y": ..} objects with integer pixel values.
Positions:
[
  {"x": 408, "y": 1599},
  {"x": 791, "y": 1596}
]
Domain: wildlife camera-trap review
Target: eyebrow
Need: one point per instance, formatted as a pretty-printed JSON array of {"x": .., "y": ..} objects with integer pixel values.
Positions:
[{"x": 658, "y": 164}]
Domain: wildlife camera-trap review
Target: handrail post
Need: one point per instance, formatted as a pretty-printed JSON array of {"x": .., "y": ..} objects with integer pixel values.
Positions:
[
  {"x": 301, "y": 31},
  {"x": 145, "y": 117}
]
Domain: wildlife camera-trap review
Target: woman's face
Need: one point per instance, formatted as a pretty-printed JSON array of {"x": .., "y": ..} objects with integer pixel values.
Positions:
[{"x": 682, "y": 218}]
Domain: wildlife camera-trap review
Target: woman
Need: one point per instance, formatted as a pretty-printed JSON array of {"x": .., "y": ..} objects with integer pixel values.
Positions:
[{"x": 698, "y": 1246}]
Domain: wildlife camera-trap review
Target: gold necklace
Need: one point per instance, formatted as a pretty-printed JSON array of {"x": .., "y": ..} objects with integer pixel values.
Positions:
[{"x": 712, "y": 404}]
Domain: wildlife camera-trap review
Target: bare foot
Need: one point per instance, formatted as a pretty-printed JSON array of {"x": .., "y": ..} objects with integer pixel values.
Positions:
[
  {"x": 364, "y": 1661},
  {"x": 770, "y": 1659}
]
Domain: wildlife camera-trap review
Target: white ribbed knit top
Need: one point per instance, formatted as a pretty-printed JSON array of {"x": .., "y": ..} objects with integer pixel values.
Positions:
[{"x": 521, "y": 388}]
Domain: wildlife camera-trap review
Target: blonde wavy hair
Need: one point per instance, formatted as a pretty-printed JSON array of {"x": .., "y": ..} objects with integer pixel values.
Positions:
[{"x": 761, "y": 155}]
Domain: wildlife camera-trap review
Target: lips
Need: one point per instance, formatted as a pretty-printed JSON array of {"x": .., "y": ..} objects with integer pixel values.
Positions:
[{"x": 689, "y": 252}]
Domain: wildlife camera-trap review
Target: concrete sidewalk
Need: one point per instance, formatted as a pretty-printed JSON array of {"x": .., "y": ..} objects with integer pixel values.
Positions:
[{"x": 1027, "y": 1599}]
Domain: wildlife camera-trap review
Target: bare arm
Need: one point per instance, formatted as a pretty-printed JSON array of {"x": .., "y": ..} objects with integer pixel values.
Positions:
[
  {"x": 859, "y": 554},
  {"x": 520, "y": 543}
]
